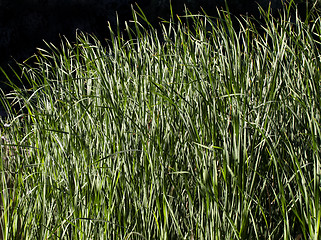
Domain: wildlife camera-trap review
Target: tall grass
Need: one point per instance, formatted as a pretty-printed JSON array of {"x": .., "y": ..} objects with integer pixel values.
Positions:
[{"x": 196, "y": 131}]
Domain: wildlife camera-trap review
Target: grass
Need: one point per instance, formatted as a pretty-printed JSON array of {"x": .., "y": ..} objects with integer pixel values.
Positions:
[{"x": 197, "y": 131}]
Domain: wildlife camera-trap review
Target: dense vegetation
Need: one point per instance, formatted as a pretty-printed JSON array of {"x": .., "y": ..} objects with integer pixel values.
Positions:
[{"x": 195, "y": 132}]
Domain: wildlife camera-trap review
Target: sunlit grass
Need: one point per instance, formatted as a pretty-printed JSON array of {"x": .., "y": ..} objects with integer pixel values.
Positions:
[{"x": 194, "y": 132}]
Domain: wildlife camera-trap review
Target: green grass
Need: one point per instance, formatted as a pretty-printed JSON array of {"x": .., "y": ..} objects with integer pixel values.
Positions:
[{"x": 194, "y": 132}]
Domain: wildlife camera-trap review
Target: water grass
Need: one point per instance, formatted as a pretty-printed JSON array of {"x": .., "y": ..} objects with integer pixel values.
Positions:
[{"x": 192, "y": 132}]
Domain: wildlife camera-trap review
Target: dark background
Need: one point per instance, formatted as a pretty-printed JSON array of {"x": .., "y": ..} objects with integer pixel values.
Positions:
[{"x": 24, "y": 24}]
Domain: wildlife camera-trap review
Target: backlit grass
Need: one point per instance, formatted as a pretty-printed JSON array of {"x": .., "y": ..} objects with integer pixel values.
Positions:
[{"x": 197, "y": 131}]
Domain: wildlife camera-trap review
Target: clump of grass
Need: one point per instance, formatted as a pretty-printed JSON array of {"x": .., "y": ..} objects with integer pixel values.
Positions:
[{"x": 208, "y": 133}]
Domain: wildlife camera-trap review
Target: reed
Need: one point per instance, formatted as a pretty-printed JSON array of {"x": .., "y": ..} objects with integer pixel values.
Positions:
[{"x": 197, "y": 131}]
